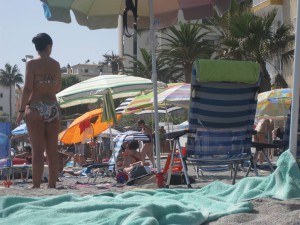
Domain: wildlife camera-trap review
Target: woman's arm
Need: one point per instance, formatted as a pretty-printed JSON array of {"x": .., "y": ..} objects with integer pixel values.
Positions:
[
  {"x": 58, "y": 84},
  {"x": 27, "y": 90}
]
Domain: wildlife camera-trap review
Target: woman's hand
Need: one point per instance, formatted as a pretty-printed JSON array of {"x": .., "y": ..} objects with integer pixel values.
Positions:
[{"x": 19, "y": 118}]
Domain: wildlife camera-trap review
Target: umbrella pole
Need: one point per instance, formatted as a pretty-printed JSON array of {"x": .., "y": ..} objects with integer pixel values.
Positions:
[
  {"x": 167, "y": 116},
  {"x": 296, "y": 86},
  {"x": 154, "y": 80}
]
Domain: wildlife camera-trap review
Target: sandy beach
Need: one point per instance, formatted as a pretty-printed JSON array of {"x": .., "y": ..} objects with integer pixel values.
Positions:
[{"x": 265, "y": 210}]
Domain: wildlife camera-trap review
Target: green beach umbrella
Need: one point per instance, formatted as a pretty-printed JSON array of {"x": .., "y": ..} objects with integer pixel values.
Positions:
[{"x": 89, "y": 91}]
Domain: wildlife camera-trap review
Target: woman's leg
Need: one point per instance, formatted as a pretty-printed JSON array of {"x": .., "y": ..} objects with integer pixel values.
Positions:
[
  {"x": 52, "y": 130},
  {"x": 148, "y": 150},
  {"x": 36, "y": 133}
]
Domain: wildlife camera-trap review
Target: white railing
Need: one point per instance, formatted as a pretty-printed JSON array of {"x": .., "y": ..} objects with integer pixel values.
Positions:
[{"x": 257, "y": 2}]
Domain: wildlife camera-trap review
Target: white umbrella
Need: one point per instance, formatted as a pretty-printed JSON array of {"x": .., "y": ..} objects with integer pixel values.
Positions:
[
  {"x": 20, "y": 130},
  {"x": 97, "y": 14}
]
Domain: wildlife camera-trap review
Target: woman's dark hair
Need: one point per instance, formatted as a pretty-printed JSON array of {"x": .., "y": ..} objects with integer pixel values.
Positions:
[
  {"x": 141, "y": 121},
  {"x": 41, "y": 41},
  {"x": 133, "y": 145}
]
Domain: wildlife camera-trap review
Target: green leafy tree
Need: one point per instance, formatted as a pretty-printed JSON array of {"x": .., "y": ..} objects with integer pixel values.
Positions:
[
  {"x": 9, "y": 77},
  {"x": 68, "y": 81},
  {"x": 143, "y": 68},
  {"x": 184, "y": 44},
  {"x": 246, "y": 36}
]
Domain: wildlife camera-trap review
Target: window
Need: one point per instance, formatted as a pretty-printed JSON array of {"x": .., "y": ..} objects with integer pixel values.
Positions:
[
  {"x": 1, "y": 95},
  {"x": 1, "y": 108}
]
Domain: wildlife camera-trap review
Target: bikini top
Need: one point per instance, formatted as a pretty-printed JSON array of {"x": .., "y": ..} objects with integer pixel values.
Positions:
[{"x": 48, "y": 79}]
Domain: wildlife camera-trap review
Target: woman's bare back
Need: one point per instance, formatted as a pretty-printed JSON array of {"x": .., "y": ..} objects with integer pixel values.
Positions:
[{"x": 45, "y": 77}]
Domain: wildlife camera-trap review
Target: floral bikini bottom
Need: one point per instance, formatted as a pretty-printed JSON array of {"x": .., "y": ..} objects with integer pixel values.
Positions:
[{"x": 47, "y": 110}]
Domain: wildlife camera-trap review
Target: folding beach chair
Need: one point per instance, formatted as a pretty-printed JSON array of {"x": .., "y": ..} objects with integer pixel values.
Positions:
[
  {"x": 221, "y": 115},
  {"x": 7, "y": 166},
  {"x": 5, "y": 154}
]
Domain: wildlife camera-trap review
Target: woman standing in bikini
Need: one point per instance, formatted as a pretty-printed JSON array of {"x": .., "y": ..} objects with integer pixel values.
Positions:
[
  {"x": 41, "y": 110},
  {"x": 147, "y": 149}
]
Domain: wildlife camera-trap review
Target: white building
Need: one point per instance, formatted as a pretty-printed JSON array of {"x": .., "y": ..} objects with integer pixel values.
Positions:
[
  {"x": 4, "y": 102},
  {"x": 87, "y": 71}
]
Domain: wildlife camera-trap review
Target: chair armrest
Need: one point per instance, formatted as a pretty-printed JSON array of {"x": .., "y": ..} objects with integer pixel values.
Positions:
[
  {"x": 261, "y": 146},
  {"x": 176, "y": 134}
]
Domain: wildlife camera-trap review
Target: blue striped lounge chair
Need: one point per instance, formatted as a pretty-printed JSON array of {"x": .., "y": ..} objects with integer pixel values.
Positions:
[
  {"x": 5, "y": 155},
  {"x": 221, "y": 114}
]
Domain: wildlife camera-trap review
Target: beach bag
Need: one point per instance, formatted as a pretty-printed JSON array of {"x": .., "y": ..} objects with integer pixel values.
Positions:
[
  {"x": 136, "y": 173},
  {"x": 179, "y": 178}
]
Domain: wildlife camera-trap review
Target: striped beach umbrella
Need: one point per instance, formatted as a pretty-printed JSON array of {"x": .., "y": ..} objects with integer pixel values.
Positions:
[
  {"x": 274, "y": 103},
  {"x": 133, "y": 136},
  {"x": 89, "y": 91},
  {"x": 177, "y": 94},
  {"x": 121, "y": 109}
]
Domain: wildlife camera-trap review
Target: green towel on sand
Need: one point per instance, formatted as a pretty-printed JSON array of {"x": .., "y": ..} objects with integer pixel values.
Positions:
[
  {"x": 149, "y": 207},
  {"x": 227, "y": 71}
]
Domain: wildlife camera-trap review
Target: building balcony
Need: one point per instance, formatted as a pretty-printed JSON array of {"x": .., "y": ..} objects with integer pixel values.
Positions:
[{"x": 259, "y": 5}]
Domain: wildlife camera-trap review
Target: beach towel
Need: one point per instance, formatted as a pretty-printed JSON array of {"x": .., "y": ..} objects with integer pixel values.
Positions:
[{"x": 149, "y": 207}]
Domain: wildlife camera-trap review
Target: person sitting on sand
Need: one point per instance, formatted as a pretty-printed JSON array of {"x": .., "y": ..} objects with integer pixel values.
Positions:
[{"x": 131, "y": 157}]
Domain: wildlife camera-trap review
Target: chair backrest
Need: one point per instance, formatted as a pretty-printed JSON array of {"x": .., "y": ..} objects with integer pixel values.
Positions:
[
  {"x": 4, "y": 140},
  {"x": 223, "y": 100}
]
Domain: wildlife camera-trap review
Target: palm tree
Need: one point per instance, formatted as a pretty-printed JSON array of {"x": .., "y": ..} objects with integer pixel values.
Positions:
[
  {"x": 184, "y": 45},
  {"x": 9, "y": 77},
  {"x": 246, "y": 36},
  {"x": 144, "y": 68},
  {"x": 115, "y": 61}
]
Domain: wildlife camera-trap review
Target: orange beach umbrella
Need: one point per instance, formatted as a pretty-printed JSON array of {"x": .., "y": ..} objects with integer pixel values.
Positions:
[{"x": 85, "y": 127}]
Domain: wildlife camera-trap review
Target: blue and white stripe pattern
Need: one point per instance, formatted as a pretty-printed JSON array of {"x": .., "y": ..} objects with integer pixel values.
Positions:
[
  {"x": 219, "y": 141},
  {"x": 133, "y": 135},
  {"x": 222, "y": 117},
  {"x": 123, "y": 105}
]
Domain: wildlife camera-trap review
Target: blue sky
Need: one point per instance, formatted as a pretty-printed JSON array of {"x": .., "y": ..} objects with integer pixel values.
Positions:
[{"x": 21, "y": 20}]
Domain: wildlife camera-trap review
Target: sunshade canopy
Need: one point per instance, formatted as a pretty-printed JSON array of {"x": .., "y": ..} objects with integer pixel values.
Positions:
[
  {"x": 85, "y": 127},
  {"x": 90, "y": 12},
  {"x": 176, "y": 94},
  {"x": 89, "y": 91},
  {"x": 20, "y": 130},
  {"x": 274, "y": 103}
]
